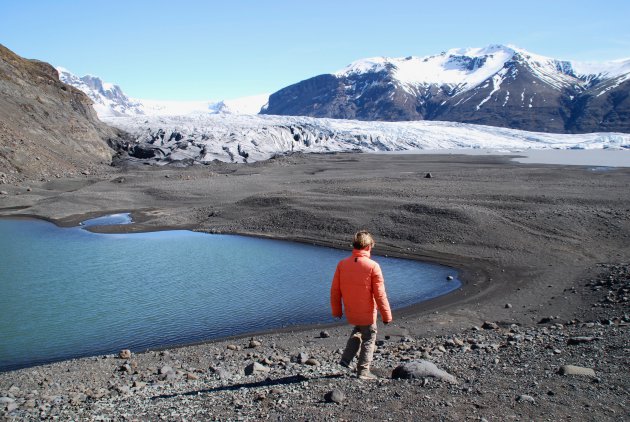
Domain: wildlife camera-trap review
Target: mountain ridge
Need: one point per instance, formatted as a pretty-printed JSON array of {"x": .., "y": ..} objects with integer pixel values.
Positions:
[
  {"x": 496, "y": 86},
  {"x": 109, "y": 100}
]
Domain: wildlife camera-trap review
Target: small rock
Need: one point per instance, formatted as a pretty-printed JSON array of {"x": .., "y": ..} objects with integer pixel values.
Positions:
[
  {"x": 232, "y": 347},
  {"x": 255, "y": 368},
  {"x": 166, "y": 369},
  {"x": 508, "y": 305},
  {"x": 254, "y": 343},
  {"x": 77, "y": 398},
  {"x": 428, "y": 176},
  {"x": 545, "y": 320},
  {"x": 422, "y": 369},
  {"x": 191, "y": 377},
  {"x": 124, "y": 354},
  {"x": 488, "y": 325},
  {"x": 3, "y": 192},
  {"x": 301, "y": 357},
  {"x": 324, "y": 334},
  {"x": 139, "y": 384},
  {"x": 576, "y": 370},
  {"x": 6, "y": 400},
  {"x": 312, "y": 362},
  {"x": 126, "y": 368},
  {"x": 335, "y": 396},
  {"x": 526, "y": 398},
  {"x": 449, "y": 278},
  {"x": 223, "y": 374},
  {"x": 123, "y": 390},
  {"x": 12, "y": 406}
]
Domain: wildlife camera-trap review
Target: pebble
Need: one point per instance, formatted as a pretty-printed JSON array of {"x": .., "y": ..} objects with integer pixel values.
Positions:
[
  {"x": 335, "y": 396},
  {"x": 324, "y": 334},
  {"x": 449, "y": 278},
  {"x": 124, "y": 354},
  {"x": 232, "y": 347},
  {"x": 254, "y": 343},
  {"x": 508, "y": 305},
  {"x": 3, "y": 192},
  {"x": 312, "y": 362}
]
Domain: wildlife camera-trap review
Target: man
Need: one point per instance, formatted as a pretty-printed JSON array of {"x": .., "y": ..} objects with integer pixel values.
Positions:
[{"x": 359, "y": 284}]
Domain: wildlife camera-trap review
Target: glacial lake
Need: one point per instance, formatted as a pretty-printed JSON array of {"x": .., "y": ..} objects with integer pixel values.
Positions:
[{"x": 67, "y": 292}]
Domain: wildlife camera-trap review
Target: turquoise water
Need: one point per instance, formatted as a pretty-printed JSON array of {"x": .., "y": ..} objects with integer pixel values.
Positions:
[{"x": 67, "y": 292}]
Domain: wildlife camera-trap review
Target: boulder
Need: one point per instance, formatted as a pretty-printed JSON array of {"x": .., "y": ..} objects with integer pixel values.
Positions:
[{"x": 422, "y": 369}]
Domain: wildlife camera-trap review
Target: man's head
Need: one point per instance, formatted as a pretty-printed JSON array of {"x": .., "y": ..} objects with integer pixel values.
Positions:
[{"x": 362, "y": 240}]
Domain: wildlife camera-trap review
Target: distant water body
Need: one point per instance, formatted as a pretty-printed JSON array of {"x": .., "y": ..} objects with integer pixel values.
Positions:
[
  {"x": 599, "y": 158},
  {"x": 67, "y": 292}
]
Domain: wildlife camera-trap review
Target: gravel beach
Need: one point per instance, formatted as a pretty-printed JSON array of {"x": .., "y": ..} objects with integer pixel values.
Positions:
[{"x": 538, "y": 331}]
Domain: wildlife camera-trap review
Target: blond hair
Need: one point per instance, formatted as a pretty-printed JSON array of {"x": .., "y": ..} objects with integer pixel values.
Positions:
[{"x": 362, "y": 240}]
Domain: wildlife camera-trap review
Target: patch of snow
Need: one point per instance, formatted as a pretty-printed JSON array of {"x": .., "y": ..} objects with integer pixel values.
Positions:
[{"x": 496, "y": 85}]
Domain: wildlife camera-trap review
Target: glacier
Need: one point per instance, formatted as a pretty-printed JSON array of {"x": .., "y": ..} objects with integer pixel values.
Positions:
[{"x": 202, "y": 138}]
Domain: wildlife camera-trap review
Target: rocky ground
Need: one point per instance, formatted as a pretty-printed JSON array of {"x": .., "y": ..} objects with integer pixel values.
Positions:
[{"x": 537, "y": 332}]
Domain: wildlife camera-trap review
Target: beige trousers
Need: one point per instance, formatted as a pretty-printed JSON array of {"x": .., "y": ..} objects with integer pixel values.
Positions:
[{"x": 363, "y": 339}]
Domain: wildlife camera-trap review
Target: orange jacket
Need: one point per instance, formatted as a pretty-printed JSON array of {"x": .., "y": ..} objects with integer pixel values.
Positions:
[{"x": 359, "y": 283}]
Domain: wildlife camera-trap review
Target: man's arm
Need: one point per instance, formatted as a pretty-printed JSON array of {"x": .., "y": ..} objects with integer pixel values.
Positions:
[
  {"x": 378, "y": 291},
  {"x": 335, "y": 295}
]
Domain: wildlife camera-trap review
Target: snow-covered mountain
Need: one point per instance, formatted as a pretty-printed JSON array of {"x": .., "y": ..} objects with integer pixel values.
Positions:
[
  {"x": 201, "y": 138},
  {"x": 110, "y": 101},
  {"x": 498, "y": 85}
]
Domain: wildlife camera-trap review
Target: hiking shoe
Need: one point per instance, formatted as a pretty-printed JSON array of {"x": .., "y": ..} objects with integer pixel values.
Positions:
[
  {"x": 366, "y": 376},
  {"x": 344, "y": 363}
]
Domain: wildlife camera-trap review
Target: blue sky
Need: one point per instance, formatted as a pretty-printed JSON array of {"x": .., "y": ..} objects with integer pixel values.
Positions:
[{"x": 204, "y": 50}]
